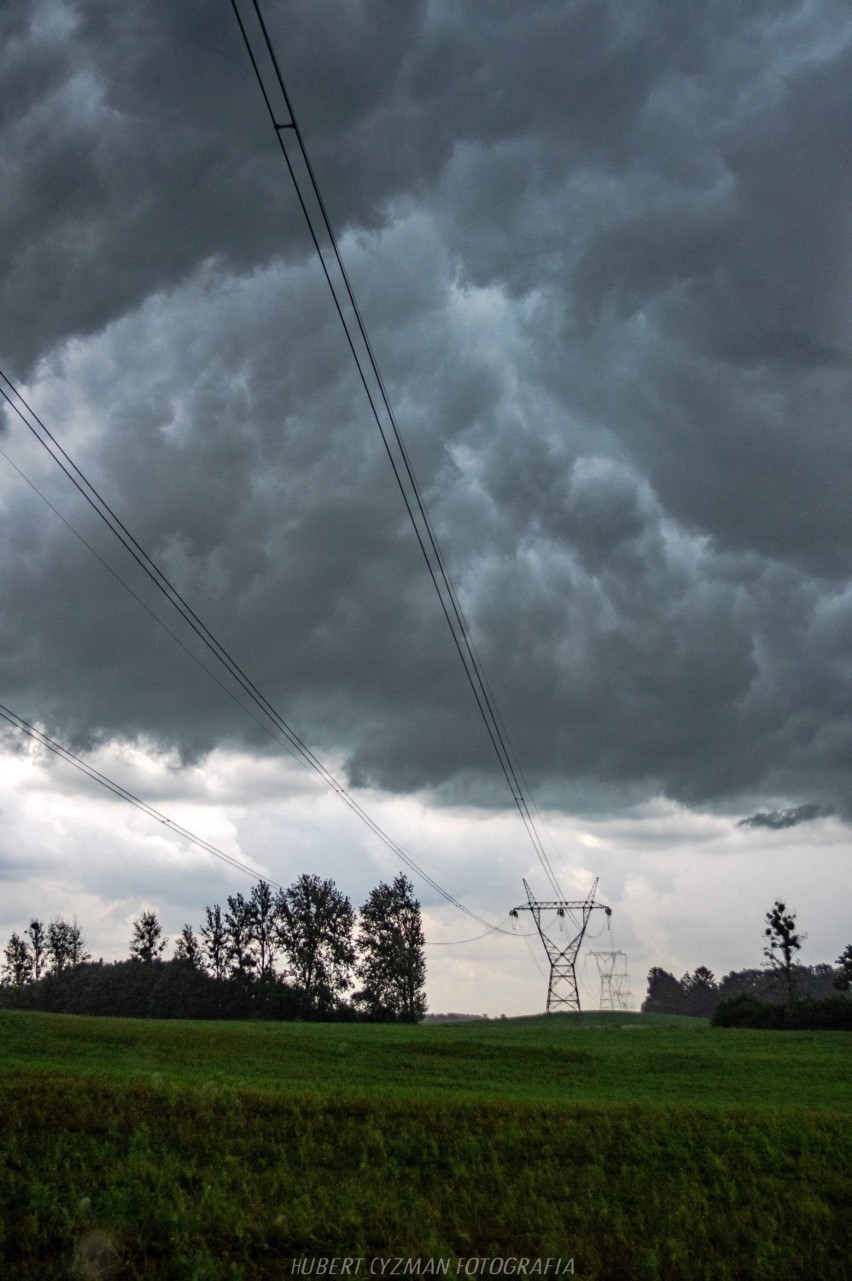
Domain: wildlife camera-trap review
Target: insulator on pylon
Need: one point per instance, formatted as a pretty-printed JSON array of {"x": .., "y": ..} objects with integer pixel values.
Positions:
[{"x": 562, "y": 990}]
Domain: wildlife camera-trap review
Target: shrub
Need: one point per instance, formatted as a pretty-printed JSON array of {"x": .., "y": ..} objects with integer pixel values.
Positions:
[{"x": 833, "y": 1013}]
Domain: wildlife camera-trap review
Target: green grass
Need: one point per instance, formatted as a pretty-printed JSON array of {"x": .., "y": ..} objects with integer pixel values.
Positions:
[
  {"x": 643, "y": 1146},
  {"x": 594, "y": 1059}
]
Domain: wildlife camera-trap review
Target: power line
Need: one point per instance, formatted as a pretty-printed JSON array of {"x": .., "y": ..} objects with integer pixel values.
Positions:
[
  {"x": 438, "y": 571},
  {"x": 394, "y": 444},
  {"x": 65, "y": 754},
  {"x": 51, "y": 445},
  {"x": 276, "y": 738},
  {"x": 124, "y": 794},
  {"x": 475, "y": 938}
]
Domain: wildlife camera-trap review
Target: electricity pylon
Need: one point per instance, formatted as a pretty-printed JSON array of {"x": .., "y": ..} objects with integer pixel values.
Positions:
[
  {"x": 615, "y": 981},
  {"x": 621, "y": 991},
  {"x": 562, "y": 992}
]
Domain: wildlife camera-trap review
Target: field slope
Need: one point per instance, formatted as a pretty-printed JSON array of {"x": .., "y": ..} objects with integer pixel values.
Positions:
[{"x": 638, "y": 1146}]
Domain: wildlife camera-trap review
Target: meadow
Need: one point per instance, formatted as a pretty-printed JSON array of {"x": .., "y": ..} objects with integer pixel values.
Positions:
[{"x": 639, "y": 1146}]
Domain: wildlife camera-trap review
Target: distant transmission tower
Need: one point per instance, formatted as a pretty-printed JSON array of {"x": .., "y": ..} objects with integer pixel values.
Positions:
[
  {"x": 615, "y": 981},
  {"x": 562, "y": 992},
  {"x": 622, "y": 992}
]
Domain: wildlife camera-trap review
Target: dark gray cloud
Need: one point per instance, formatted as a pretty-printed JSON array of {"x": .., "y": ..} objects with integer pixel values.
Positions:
[
  {"x": 777, "y": 820},
  {"x": 603, "y": 251}
]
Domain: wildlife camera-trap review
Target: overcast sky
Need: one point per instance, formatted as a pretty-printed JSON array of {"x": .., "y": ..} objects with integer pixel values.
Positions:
[{"x": 603, "y": 253}]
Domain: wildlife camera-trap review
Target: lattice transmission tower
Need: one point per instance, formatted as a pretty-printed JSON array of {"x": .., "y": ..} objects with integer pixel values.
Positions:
[
  {"x": 562, "y": 991},
  {"x": 615, "y": 981}
]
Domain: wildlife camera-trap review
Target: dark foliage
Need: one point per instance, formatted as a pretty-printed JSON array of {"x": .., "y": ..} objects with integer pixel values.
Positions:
[
  {"x": 65, "y": 944},
  {"x": 228, "y": 971},
  {"x": 242, "y": 958},
  {"x": 170, "y": 990},
  {"x": 665, "y": 993},
  {"x": 783, "y": 942},
  {"x": 214, "y": 941},
  {"x": 37, "y": 936},
  {"x": 392, "y": 965},
  {"x": 147, "y": 943},
  {"x": 315, "y": 922},
  {"x": 17, "y": 962},
  {"x": 843, "y": 980},
  {"x": 832, "y": 1013},
  {"x": 188, "y": 948},
  {"x": 700, "y": 991},
  {"x": 263, "y": 926},
  {"x": 697, "y": 995}
]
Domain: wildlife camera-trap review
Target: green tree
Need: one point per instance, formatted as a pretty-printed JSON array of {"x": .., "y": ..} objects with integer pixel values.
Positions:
[
  {"x": 392, "y": 964},
  {"x": 147, "y": 943},
  {"x": 77, "y": 945},
  {"x": 239, "y": 933},
  {"x": 843, "y": 981},
  {"x": 262, "y": 918},
  {"x": 214, "y": 942},
  {"x": 38, "y": 946},
  {"x": 314, "y": 923},
  {"x": 66, "y": 946},
  {"x": 701, "y": 991},
  {"x": 188, "y": 948},
  {"x": 665, "y": 995},
  {"x": 784, "y": 942},
  {"x": 18, "y": 962}
]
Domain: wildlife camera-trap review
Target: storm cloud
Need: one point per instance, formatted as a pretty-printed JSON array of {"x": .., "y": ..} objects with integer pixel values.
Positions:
[
  {"x": 603, "y": 251},
  {"x": 779, "y": 820}
]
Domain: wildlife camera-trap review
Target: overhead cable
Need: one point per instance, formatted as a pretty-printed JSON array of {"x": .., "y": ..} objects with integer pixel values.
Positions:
[
  {"x": 276, "y": 738},
  {"x": 51, "y": 445},
  {"x": 476, "y": 937},
  {"x": 122, "y": 793},
  {"x": 380, "y": 406}
]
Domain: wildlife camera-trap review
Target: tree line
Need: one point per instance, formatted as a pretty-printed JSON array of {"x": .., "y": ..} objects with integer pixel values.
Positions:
[
  {"x": 781, "y": 993},
  {"x": 301, "y": 951}
]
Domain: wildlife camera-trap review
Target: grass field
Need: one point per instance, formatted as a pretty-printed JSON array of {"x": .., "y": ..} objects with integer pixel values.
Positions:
[{"x": 640, "y": 1146}]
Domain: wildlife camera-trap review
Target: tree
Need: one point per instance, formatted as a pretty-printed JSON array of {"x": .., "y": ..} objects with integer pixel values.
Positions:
[
  {"x": 392, "y": 966},
  {"x": 77, "y": 945},
  {"x": 214, "y": 941},
  {"x": 240, "y": 937},
  {"x": 66, "y": 946},
  {"x": 188, "y": 949},
  {"x": 784, "y": 942},
  {"x": 18, "y": 962},
  {"x": 665, "y": 994},
  {"x": 147, "y": 943},
  {"x": 38, "y": 946},
  {"x": 262, "y": 918},
  {"x": 314, "y": 926},
  {"x": 701, "y": 991},
  {"x": 843, "y": 980}
]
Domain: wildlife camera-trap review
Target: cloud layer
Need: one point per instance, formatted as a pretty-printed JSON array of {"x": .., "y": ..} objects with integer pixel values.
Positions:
[
  {"x": 777, "y": 820},
  {"x": 604, "y": 255}
]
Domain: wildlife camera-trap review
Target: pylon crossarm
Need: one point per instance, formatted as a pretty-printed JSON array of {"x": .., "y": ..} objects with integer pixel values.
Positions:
[
  {"x": 562, "y": 990},
  {"x": 554, "y": 905}
]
